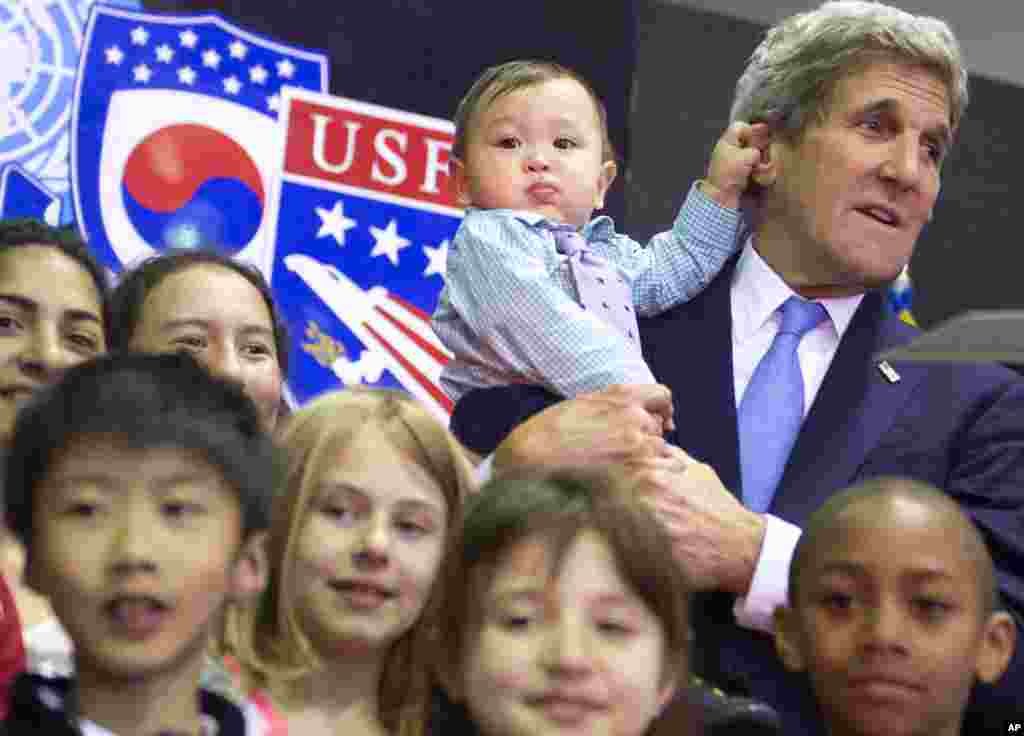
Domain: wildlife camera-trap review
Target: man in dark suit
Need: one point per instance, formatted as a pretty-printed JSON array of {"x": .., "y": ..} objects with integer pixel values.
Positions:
[{"x": 864, "y": 101}]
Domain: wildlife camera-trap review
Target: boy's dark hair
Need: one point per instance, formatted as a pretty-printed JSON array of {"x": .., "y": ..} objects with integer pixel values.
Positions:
[
  {"x": 136, "y": 284},
  {"x": 142, "y": 401},
  {"x": 502, "y": 79},
  {"x": 16, "y": 233},
  {"x": 557, "y": 508},
  {"x": 823, "y": 523}
]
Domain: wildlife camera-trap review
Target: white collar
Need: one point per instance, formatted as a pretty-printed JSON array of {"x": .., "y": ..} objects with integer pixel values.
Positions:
[{"x": 757, "y": 292}]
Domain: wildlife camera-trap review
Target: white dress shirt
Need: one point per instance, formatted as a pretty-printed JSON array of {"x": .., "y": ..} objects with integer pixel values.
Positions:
[{"x": 756, "y": 295}]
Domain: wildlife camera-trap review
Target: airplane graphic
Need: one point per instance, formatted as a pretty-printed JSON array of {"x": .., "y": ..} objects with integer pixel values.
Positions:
[{"x": 397, "y": 335}]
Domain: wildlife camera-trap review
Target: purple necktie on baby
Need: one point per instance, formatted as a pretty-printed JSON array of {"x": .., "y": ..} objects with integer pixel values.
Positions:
[{"x": 601, "y": 289}]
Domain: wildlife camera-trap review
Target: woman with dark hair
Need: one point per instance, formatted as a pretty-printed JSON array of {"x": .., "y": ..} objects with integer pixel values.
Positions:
[
  {"x": 217, "y": 308},
  {"x": 53, "y": 314}
]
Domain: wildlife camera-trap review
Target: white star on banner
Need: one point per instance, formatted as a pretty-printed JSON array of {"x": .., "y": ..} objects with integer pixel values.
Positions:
[
  {"x": 238, "y": 49},
  {"x": 142, "y": 73},
  {"x": 232, "y": 85},
  {"x": 258, "y": 74},
  {"x": 114, "y": 55},
  {"x": 140, "y": 36},
  {"x": 285, "y": 69},
  {"x": 164, "y": 53},
  {"x": 388, "y": 242},
  {"x": 211, "y": 58},
  {"x": 437, "y": 259},
  {"x": 334, "y": 222},
  {"x": 188, "y": 39},
  {"x": 187, "y": 75},
  {"x": 274, "y": 102}
]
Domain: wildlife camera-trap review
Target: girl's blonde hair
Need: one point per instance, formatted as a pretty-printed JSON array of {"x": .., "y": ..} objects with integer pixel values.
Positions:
[{"x": 267, "y": 639}]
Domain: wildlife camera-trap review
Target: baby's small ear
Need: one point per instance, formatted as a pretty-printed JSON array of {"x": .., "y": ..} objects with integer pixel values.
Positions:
[
  {"x": 997, "y": 646},
  {"x": 460, "y": 182},
  {"x": 787, "y": 639}
]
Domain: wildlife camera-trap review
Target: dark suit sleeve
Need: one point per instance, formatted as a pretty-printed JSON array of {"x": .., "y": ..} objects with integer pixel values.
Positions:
[
  {"x": 987, "y": 478},
  {"x": 484, "y": 417}
]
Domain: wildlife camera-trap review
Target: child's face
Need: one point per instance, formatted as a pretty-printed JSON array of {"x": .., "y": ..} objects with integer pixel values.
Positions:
[
  {"x": 580, "y": 653},
  {"x": 137, "y": 551},
  {"x": 370, "y": 547},
  {"x": 539, "y": 149},
  {"x": 889, "y": 623}
]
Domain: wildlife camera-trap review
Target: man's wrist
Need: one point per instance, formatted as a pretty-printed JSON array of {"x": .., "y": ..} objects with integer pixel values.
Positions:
[{"x": 748, "y": 552}]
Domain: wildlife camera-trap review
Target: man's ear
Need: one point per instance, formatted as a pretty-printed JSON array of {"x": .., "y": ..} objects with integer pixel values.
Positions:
[
  {"x": 460, "y": 182},
  {"x": 999, "y": 639},
  {"x": 773, "y": 157},
  {"x": 787, "y": 638},
  {"x": 252, "y": 569},
  {"x": 609, "y": 170}
]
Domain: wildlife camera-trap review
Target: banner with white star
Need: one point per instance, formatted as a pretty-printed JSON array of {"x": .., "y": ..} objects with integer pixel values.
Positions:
[
  {"x": 361, "y": 220},
  {"x": 174, "y": 140}
]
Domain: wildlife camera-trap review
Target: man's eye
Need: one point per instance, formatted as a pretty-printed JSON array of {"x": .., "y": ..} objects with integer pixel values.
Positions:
[{"x": 873, "y": 124}]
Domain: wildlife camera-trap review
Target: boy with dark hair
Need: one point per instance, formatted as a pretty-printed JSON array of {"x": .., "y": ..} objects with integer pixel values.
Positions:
[
  {"x": 893, "y": 611},
  {"x": 139, "y": 485}
]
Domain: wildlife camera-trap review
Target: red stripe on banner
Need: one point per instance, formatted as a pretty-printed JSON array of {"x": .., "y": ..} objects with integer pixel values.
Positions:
[
  {"x": 437, "y": 394},
  {"x": 409, "y": 307},
  {"x": 411, "y": 334},
  {"x": 332, "y": 143}
]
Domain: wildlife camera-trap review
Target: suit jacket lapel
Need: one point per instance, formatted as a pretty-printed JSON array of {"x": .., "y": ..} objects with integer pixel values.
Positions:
[
  {"x": 689, "y": 349},
  {"x": 856, "y": 404}
]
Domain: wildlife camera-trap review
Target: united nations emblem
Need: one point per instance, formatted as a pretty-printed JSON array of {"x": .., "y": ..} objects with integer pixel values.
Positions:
[{"x": 39, "y": 43}]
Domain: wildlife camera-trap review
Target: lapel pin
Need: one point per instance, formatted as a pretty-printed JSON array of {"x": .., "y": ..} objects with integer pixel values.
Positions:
[{"x": 889, "y": 372}]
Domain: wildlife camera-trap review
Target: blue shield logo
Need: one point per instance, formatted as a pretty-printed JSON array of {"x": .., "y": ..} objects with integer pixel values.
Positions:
[
  {"x": 175, "y": 140},
  {"x": 22, "y": 195},
  {"x": 362, "y": 222}
]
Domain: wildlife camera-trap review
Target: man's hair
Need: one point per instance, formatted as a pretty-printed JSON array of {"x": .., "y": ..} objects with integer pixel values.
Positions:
[
  {"x": 22, "y": 232},
  {"x": 823, "y": 523},
  {"x": 556, "y": 509},
  {"x": 136, "y": 284},
  {"x": 499, "y": 80},
  {"x": 268, "y": 639},
  {"x": 142, "y": 401},
  {"x": 792, "y": 75}
]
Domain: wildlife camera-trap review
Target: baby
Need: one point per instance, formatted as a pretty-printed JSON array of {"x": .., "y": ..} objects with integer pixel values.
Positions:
[{"x": 538, "y": 292}]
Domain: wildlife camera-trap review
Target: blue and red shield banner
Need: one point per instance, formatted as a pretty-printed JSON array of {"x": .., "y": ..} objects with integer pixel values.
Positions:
[
  {"x": 361, "y": 221},
  {"x": 174, "y": 133}
]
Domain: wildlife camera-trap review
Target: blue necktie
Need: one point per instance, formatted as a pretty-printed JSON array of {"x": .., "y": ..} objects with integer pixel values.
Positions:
[{"x": 772, "y": 407}]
